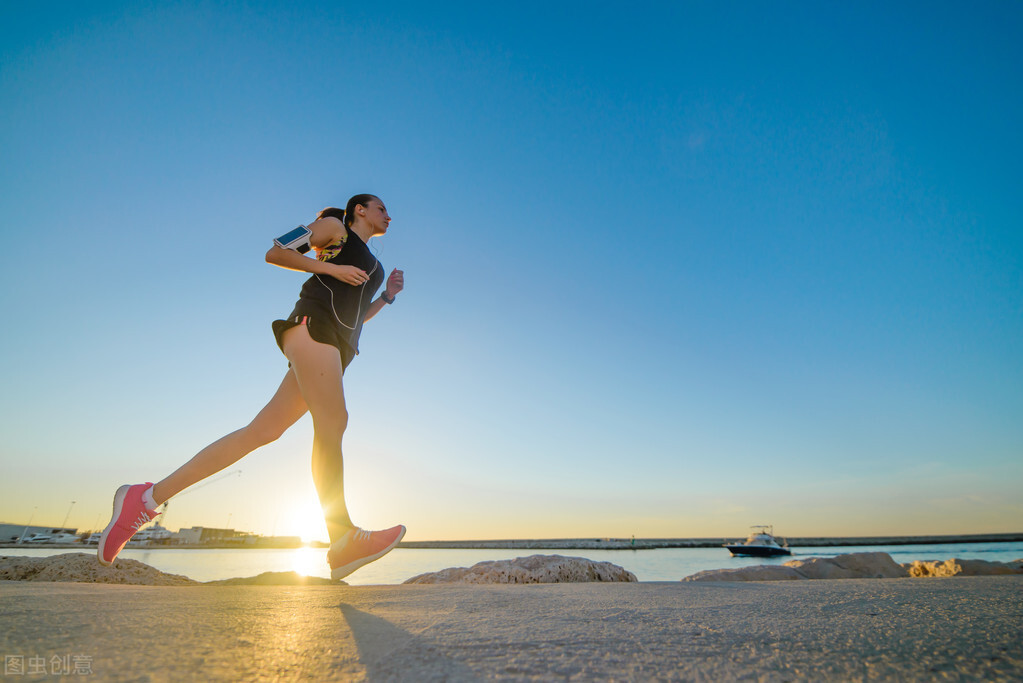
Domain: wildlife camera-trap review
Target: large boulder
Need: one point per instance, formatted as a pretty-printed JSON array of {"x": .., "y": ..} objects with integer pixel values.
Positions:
[
  {"x": 80, "y": 567},
  {"x": 532, "y": 569},
  {"x": 763, "y": 572},
  {"x": 850, "y": 566},
  {"x": 277, "y": 579},
  {"x": 957, "y": 567}
]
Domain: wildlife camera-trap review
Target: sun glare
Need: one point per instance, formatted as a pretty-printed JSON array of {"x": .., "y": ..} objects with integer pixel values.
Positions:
[
  {"x": 304, "y": 519},
  {"x": 308, "y": 561}
]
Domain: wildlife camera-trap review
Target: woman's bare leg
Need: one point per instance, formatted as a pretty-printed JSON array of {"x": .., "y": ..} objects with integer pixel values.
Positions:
[
  {"x": 319, "y": 372},
  {"x": 283, "y": 410}
]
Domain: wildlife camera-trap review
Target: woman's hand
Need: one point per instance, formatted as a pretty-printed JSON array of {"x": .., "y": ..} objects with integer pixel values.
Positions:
[
  {"x": 350, "y": 275},
  {"x": 395, "y": 282}
]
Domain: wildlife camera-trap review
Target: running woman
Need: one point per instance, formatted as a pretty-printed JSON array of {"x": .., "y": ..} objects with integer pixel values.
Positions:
[{"x": 320, "y": 338}]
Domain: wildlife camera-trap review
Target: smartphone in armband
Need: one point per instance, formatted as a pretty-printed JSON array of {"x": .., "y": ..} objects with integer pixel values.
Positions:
[{"x": 297, "y": 239}]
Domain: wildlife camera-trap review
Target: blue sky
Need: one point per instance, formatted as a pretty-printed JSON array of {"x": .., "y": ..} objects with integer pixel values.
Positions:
[{"x": 672, "y": 269}]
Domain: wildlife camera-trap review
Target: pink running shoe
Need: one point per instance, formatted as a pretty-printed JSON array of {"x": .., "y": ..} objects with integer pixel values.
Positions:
[
  {"x": 130, "y": 515},
  {"x": 360, "y": 547}
]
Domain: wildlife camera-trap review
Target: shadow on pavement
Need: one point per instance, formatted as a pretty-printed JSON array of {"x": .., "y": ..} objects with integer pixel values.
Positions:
[{"x": 392, "y": 653}]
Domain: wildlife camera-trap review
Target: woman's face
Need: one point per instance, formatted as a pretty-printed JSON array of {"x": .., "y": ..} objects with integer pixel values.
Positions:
[{"x": 376, "y": 216}]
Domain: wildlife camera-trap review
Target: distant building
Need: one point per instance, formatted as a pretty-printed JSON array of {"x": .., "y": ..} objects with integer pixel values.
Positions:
[
  {"x": 201, "y": 535},
  {"x": 204, "y": 535},
  {"x": 190, "y": 536}
]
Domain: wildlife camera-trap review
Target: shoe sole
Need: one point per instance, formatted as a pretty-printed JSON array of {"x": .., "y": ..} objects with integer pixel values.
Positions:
[
  {"x": 118, "y": 504},
  {"x": 346, "y": 569}
]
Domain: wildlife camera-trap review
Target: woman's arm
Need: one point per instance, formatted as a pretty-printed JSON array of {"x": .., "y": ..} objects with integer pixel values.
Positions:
[
  {"x": 395, "y": 283},
  {"x": 325, "y": 231}
]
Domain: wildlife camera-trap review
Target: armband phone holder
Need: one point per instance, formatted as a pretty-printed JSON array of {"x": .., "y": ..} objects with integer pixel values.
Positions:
[{"x": 297, "y": 239}]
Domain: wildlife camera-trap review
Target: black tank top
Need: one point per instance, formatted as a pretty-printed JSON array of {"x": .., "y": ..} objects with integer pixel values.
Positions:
[{"x": 338, "y": 303}]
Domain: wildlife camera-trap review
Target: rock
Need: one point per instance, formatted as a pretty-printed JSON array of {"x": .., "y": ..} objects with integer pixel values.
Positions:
[
  {"x": 859, "y": 566},
  {"x": 83, "y": 568},
  {"x": 957, "y": 567},
  {"x": 850, "y": 566},
  {"x": 532, "y": 569},
  {"x": 985, "y": 568},
  {"x": 763, "y": 572},
  {"x": 80, "y": 567},
  {"x": 277, "y": 579}
]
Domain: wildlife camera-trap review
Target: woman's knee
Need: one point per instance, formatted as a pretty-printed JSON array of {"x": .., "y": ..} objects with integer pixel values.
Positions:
[{"x": 333, "y": 425}]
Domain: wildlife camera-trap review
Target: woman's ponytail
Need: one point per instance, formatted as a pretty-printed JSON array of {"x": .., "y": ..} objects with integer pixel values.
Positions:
[{"x": 332, "y": 212}]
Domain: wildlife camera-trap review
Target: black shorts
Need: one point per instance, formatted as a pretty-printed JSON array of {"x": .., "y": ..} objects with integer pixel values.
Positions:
[{"x": 320, "y": 331}]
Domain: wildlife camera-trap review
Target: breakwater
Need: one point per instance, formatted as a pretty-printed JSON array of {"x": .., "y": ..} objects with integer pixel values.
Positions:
[{"x": 652, "y": 543}]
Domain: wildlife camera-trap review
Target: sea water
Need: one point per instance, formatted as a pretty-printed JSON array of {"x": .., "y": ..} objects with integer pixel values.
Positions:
[{"x": 660, "y": 564}]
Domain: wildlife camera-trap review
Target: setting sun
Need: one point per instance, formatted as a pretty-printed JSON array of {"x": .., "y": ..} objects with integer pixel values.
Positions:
[{"x": 303, "y": 518}]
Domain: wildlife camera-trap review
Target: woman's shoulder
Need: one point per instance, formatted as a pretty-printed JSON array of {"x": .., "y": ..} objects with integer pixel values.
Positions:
[
  {"x": 328, "y": 233},
  {"x": 334, "y": 235}
]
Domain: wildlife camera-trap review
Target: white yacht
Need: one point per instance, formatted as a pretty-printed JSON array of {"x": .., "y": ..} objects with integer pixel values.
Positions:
[{"x": 761, "y": 543}]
